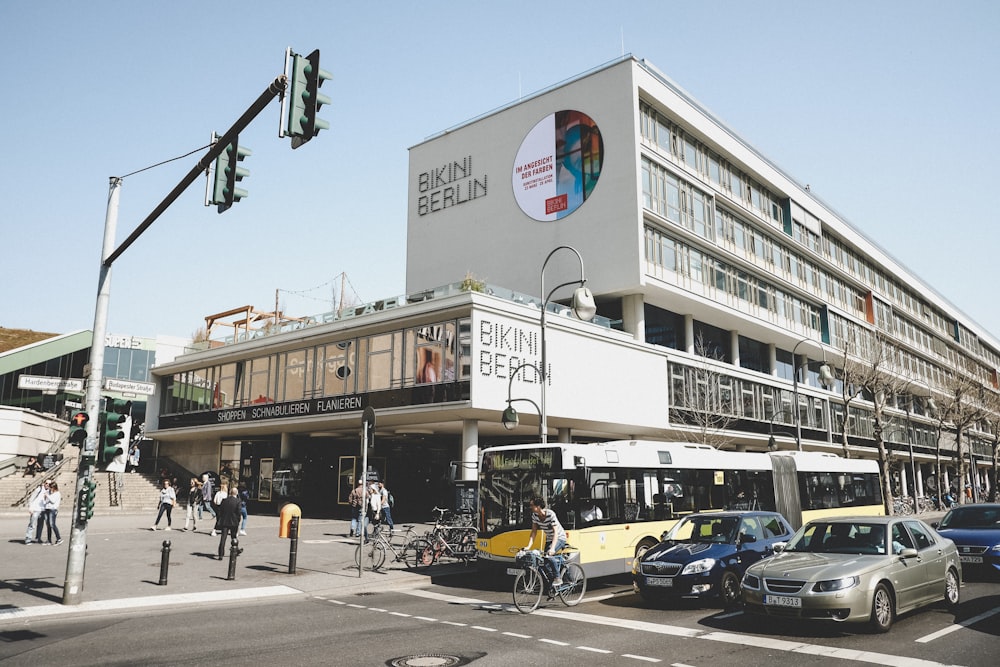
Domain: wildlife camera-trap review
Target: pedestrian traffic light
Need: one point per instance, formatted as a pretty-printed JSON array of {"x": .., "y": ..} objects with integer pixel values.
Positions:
[
  {"x": 112, "y": 435},
  {"x": 305, "y": 99},
  {"x": 228, "y": 173},
  {"x": 77, "y": 428},
  {"x": 85, "y": 501}
]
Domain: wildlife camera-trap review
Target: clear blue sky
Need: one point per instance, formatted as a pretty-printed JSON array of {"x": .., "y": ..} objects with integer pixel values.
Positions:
[{"x": 888, "y": 109}]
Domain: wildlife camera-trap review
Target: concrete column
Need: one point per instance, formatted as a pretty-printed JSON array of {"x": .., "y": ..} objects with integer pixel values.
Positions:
[
  {"x": 286, "y": 446},
  {"x": 565, "y": 435},
  {"x": 470, "y": 449},
  {"x": 772, "y": 359},
  {"x": 634, "y": 316},
  {"x": 689, "y": 333},
  {"x": 734, "y": 347}
]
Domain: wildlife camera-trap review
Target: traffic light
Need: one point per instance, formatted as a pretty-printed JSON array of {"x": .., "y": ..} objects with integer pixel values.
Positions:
[
  {"x": 228, "y": 173},
  {"x": 111, "y": 432},
  {"x": 85, "y": 501},
  {"x": 77, "y": 428},
  {"x": 305, "y": 98}
]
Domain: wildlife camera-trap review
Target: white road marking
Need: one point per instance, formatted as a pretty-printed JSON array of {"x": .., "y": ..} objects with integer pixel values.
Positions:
[
  {"x": 957, "y": 626},
  {"x": 644, "y": 658},
  {"x": 593, "y": 650},
  {"x": 480, "y": 627},
  {"x": 770, "y": 643},
  {"x": 518, "y": 635}
]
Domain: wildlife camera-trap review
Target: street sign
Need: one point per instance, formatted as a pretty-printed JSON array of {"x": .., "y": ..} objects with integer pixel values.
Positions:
[
  {"x": 129, "y": 386},
  {"x": 46, "y": 383}
]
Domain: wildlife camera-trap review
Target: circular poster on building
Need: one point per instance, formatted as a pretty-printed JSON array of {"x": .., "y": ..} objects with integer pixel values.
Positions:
[{"x": 557, "y": 165}]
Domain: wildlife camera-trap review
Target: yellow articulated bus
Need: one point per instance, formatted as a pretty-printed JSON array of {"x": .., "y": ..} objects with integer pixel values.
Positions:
[{"x": 616, "y": 498}]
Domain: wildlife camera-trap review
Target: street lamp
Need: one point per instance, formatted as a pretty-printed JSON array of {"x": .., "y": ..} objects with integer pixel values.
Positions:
[
  {"x": 509, "y": 419},
  {"x": 825, "y": 377},
  {"x": 583, "y": 307}
]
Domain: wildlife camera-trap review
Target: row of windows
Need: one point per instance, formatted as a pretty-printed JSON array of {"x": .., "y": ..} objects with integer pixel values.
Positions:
[
  {"x": 685, "y": 204},
  {"x": 684, "y": 150},
  {"x": 671, "y": 260},
  {"x": 424, "y": 355}
]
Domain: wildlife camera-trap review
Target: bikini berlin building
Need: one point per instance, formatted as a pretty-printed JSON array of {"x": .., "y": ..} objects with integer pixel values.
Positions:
[{"x": 729, "y": 298}]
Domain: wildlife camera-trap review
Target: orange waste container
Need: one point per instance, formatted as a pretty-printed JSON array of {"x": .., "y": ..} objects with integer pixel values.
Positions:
[{"x": 285, "y": 519}]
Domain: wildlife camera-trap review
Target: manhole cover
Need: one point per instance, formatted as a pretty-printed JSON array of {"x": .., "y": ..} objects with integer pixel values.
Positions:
[{"x": 426, "y": 661}]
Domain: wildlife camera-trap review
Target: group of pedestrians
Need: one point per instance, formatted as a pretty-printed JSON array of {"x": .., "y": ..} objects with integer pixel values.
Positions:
[
  {"x": 378, "y": 508},
  {"x": 203, "y": 498},
  {"x": 43, "y": 508}
]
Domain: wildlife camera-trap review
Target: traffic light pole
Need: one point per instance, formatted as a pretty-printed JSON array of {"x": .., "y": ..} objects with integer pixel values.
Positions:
[{"x": 76, "y": 561}]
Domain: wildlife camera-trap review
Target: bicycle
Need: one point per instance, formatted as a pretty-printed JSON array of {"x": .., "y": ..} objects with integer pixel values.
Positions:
[
  {"x": 375, "y": 550},
  {"x": 902, "y": 506},
  {"x": 448, "y": 540},
  {"x": 533, "y": 580}
]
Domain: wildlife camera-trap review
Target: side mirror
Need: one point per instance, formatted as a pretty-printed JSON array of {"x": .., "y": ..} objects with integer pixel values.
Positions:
[
  {"x": 908, "y": 553},
  {"x": 746, "y": 539},
  {"x": 779, "y": 547}
]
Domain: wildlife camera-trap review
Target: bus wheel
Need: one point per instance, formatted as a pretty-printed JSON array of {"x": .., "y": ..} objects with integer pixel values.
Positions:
[{"x": 643, "y": 547}]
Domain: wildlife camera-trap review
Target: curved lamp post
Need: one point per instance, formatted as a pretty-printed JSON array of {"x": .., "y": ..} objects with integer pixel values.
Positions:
[
  {"x": 825, "y": 377},
  {"x": 583, "y": 307},
  {"x": 510, "y": 419}
]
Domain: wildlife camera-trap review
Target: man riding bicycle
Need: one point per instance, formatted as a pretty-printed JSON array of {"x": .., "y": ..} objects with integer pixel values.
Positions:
[{"x": 555, "y": 537}]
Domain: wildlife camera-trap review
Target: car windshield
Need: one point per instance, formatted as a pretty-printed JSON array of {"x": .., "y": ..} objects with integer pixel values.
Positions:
[
  {"x": 705, "y": 529},
  {"x": 972, "y": 517},
  {"x": 839, "y": 538}
]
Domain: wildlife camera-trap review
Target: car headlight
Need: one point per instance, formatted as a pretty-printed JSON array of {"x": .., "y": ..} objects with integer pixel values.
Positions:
[
  {"x": 996, "y": 548},
  {"x": 751, "y": 581},
  {"x": 835, "y": 584},
  {"x": 699, "y": 566}
]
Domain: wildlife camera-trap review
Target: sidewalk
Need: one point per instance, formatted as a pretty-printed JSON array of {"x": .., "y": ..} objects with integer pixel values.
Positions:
[{"x": 124, "y": 558}]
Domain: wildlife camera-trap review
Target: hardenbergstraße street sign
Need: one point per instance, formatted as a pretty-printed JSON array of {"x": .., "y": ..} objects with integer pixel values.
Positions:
[{"x": 46, "y": 383}]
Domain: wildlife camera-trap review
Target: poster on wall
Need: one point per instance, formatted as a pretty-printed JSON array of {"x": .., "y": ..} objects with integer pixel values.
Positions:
[{"x": 557, "y": 165}]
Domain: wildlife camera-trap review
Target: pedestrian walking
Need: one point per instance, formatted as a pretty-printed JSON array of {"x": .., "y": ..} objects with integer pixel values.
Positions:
[
  {"x": 374, "y": 505},
  {"x": 244, "y": 496},
  {"x": 168, "y": 497},
  {"x": 36, "y": 509},
  {"x": 207, "y": 494},
  {"x": 387, "y": 502},
  {"x": 133, "y": 458},
  {"x": 229, "y": 518},
  {"x": 356, "y": 500},
  {"x": 220, "y": 495},
  {"x": 52, "y": 500},
  {"x": 194, "y": 501}
]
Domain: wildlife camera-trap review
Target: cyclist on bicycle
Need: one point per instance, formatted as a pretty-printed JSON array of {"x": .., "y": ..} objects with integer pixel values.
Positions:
[{"x": 555, "y": 536}]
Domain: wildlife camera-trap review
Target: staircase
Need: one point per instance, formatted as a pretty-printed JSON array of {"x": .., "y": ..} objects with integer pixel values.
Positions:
[{"x": 125, "y": 493}]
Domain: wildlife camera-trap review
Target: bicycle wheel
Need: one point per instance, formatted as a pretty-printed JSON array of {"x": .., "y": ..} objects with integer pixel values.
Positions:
[
  {"x": 413, "y": 552},
  {"x": 528, "y": 590},
  {"x": 370, "y": 556},
  {"x": 427, "y": 555},
  {"x": 574, "y": 585}
]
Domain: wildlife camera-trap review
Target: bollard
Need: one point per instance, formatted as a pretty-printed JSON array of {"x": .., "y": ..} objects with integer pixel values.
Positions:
[
  {"x": 164, "y": 562},
  {"x": 293, "y": 550},
  {"x": 234, "y": 552}
]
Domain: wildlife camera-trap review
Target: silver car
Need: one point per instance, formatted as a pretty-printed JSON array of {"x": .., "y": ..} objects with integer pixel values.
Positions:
[{"x": 855, "y": 569}]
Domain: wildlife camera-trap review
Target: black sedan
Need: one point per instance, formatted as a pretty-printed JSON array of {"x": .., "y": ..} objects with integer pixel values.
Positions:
[{"x": 705, "y": 555}]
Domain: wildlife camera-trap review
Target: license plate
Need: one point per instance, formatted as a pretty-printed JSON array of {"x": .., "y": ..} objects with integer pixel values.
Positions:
[
  {"x": 514, "y": 571},
  {"x": 782, "y": 601},
  {"x": 659, "y": 581},
  {"x": 970, "y": 559}
]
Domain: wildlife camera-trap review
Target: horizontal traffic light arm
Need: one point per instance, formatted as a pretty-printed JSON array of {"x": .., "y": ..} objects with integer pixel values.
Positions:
[{"x": 277, "y": 87}]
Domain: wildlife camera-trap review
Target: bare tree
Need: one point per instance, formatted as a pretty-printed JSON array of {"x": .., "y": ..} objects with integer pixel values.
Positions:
[
  {"x": 851, "y": 374},
  {"x": 876, "y": 374},
  {"x": 962, "y": 407},
  {"x": 991, "y": 403},
  {"x": 706, "y": 402}
]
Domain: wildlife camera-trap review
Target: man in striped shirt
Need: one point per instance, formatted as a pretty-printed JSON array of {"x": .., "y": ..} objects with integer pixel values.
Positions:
[{"x": 555, "y": 536}]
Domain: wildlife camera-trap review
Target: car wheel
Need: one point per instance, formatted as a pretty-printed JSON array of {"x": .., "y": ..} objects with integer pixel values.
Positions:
[
  {"x": 883, "y": 609},
  {"x": 951, "y": 589},
  {"x": 729, "y": 590}
]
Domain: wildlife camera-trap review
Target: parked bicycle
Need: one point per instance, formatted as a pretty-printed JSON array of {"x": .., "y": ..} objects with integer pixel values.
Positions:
[
  {"x": 406, "y": 548},
  {"x": 448, "y": 540},
  {"x": 902, "y": 506},
  {"x": 533, "y": 580}
]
